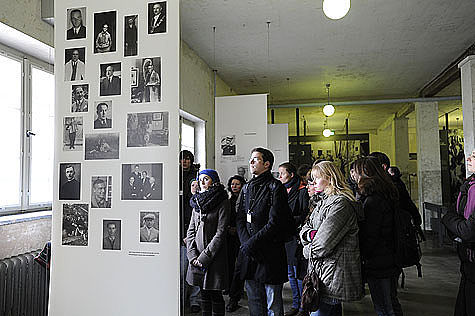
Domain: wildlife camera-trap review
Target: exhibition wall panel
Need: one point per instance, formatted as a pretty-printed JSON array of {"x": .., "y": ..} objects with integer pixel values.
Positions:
[
  {"x": 241, "y": 124},
  {"x": 115, "y": 240},
  {"x": 278, "y": 142}
]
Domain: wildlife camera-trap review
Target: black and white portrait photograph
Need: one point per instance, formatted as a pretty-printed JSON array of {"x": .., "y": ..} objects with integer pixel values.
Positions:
[
  {"x": 76, "y": 23},
  {"x": 103, "y": 114},
  {"x": 105, "y": 32},
  {"x": 79, "y": 97},
  {"x": 73, "y": 130},
  {"x": 228, "y": 145},
  {"x": 75, "y": 64},
  {"x": 101, "y": 146},
  {"x": 111, "y": 233},
  {"x": 130, "y": 35},
  {"x": 145, "y": 80},
  {"x": 243, "y": 171},
  {"x": 142, "y": 181},
  {"x": 110, "y": 79},
  {"x": 149, "y": 226},
  {"x": 101, "y": 191},
  {"x": 75, "y": 225},
  {"x": 147, "y": 129},
  {"x": 157, "y": 17},
  {"x": 69, "y": 181}
]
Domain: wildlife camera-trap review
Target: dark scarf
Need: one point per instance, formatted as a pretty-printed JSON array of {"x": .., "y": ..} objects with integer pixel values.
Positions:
[
  {"x": 294, "y": 186},
  {"x": 207, "y": 201},
  {"x": 256, "y": 182},
  {"x": 462, "y": 201}
]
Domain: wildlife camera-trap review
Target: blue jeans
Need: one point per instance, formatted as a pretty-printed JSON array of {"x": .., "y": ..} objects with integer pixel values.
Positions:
[
  {"x": 295, "y": 285},
  {"x": 264, "y": 299},
  {"x": 185, "y": 288},
  {"x": 382, "y": 296},
  {"x": 328, "y": 307}
]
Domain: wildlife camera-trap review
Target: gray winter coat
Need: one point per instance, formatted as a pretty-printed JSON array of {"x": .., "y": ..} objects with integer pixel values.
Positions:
[
  {"x": 334, "y": 249},
  {"x": 206, "y": 241}
]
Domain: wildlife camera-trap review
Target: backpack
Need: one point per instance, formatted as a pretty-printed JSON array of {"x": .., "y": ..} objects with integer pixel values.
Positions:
[{"x": 407, "y": 242}]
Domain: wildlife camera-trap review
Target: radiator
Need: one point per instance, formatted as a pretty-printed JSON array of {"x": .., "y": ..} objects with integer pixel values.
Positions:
[{"x": 24, "y": 286}]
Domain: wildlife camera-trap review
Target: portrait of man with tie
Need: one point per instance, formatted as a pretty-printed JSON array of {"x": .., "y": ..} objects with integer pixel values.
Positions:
[
  {"x": 111, "y": 234},
  {"x": 110, "y": 79},
  {"x": 74, "y": 67},
  {"x": 149, "y": 229},
  {"x": 79, "y": 98},
  {"x": 157, "y": 17},
  {"x": 76, "y": 27},
  {"x": 103, "y": 115}
]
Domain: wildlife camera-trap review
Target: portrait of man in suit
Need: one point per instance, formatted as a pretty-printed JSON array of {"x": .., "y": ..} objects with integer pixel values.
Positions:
[
  {"x": 74, "y": 67},
  {"x": 79, "y": 99},
  {"x": 111, "y": 240},
  {"x": 149, "y": 230},
  {"x": 110, "y": 82},
  {"x": 157, "y": 17},
  {"x": 77, "y": 29},
  {"x": 103, "y": 119}
]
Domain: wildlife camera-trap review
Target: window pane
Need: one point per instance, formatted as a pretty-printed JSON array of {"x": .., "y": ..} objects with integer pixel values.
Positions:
[
  {"x": 42, "y": 146},
  {"x": 187, "y": 137},
  {"x": 10, "y": 129}
]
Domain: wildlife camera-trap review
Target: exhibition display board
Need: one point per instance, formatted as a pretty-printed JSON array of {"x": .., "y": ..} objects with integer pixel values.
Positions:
[
  {"x": 278, "y": 142},
  {"x": 240, "y": 125},
  {"x": 115, "y": 239}
]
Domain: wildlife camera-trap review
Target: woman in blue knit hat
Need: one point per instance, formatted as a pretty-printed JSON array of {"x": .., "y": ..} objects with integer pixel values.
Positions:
[{"x": 206, "y": 242}]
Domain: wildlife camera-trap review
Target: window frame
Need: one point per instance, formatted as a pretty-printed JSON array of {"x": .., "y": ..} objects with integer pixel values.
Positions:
[{"x": 27, "y": 64}]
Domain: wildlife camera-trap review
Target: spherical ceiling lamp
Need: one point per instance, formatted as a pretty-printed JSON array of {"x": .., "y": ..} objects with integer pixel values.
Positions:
[
  {"x": 329, "y": 110},
  {"x": 327, "y": 132},
  {"x": 336, "y": 9}
]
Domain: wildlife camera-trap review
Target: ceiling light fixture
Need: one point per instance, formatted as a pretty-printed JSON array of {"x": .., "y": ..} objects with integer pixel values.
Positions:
[
  {"x": 336, "y": 9},
  {"x": 328, "y": 132},
  {"x": 328, "y": 109}
]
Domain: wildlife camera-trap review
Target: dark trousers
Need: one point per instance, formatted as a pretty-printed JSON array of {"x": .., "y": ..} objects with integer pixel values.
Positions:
[
  {"x": 237, "y": 285},
  {"x": 212, "y": 303},
  {"x": 465, "y": 305},
  {"x": 72, "y": 139}
]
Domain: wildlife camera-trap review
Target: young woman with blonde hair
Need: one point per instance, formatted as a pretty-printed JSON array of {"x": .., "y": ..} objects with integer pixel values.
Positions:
[{"x": 330, "y": 239}]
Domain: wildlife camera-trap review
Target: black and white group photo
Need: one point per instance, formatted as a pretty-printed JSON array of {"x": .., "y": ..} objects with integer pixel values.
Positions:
[
  {"x": 101, "y": 146},
  {"x": 105, "y": 32},
  {"x": 101, "y": 191},
  {"x": 110, "y": 79},
  {"x": 228, "y": 145},
  {"x": 149, "y": 226},
  {"x": 76, "y": 23},
  {"x": 73, "y": 131},
  {"x": 111, "y": 234},
  {"x": 142, "y": 181},
  {"x": 130, "y": 35},
  {"x": 79, "y": 98},
  {"x": 103, "y": 114},
  {"x": 69, "y": 181},
  {"x": 147, "y": 129},
  {"x": 74, "y": 64},
  {"x": 75, "y": 224},
  {"x": 146, "y": 80},
  {"x": 157, "y": 17}
]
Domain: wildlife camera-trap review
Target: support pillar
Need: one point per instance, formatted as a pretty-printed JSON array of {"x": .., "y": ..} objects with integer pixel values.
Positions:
[
  {"x": 467, "y": 70},
  {"x": 401, "y": 145},
  {"x": 428, "y": 157}
]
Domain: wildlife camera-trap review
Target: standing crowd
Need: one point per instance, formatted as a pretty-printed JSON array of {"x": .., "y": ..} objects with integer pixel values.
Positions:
[{"x": 309, "y": 222}]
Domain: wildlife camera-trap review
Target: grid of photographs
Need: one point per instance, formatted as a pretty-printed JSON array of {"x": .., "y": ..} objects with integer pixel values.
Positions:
[{"x": 91, "y": 128}]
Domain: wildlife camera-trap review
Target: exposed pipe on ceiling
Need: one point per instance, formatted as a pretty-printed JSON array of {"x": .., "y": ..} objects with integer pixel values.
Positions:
[{"x": 366, "y": 102}]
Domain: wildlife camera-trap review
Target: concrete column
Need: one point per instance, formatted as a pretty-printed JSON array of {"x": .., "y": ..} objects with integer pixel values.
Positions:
[
  {"x": 428, "y": 156},
  {"x": 467, "y": 70},
  {"x": 401, "y": 144}
]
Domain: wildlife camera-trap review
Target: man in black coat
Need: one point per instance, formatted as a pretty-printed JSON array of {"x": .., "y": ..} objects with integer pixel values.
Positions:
[
  {"x": 110, "y": 84},
  {"x": 264, "y": 222},
  {"x": 70, "y": 190}
]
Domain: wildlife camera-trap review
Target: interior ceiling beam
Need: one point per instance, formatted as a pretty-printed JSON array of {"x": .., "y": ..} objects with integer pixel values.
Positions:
[
  {"x": 367, "y": 102},
  {"x": 319, "y": 138},
  {"x": 446, "y": 77}
]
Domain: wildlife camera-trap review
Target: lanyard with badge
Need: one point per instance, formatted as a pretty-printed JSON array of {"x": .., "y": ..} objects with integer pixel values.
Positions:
[{"x": 253, "y": 202}]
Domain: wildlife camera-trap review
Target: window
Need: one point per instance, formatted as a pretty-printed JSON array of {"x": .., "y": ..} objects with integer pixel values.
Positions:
[
  {"x": 27, "y": 129},
  {"x": 193, "y": 137},
  {"x": 187, "y": 137}
]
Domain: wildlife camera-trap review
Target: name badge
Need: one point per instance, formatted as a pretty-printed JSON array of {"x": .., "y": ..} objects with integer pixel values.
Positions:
[{"x": 249, "y": 218}]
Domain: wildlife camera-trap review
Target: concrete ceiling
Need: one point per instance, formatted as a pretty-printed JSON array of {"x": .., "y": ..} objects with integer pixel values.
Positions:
[{"x": 381, "y": 49}]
